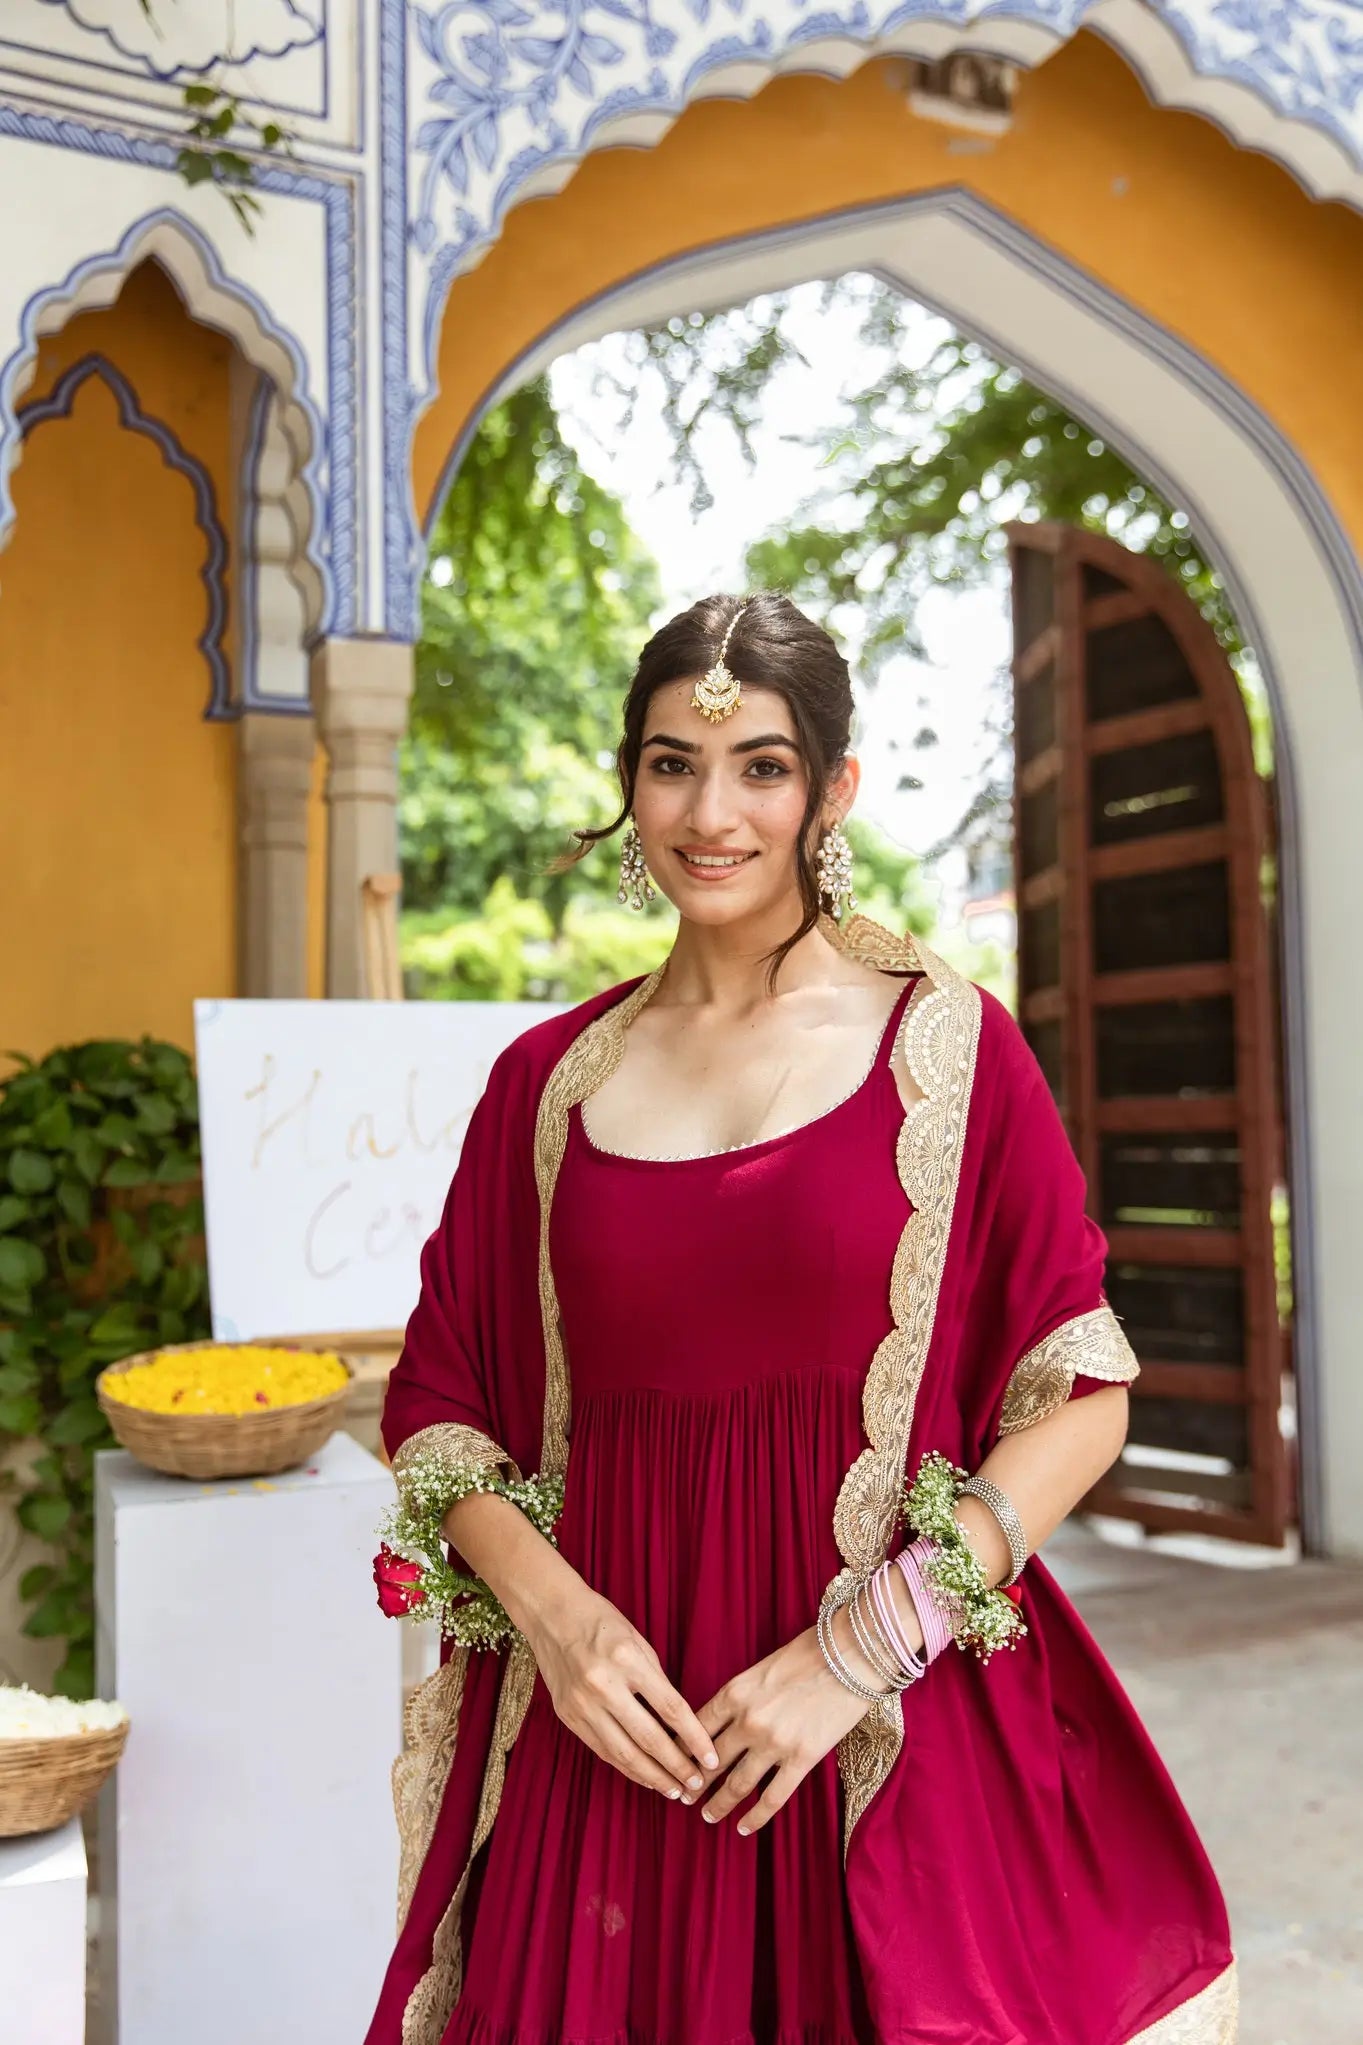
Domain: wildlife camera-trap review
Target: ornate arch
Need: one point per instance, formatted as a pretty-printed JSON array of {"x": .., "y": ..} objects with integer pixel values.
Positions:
[
  {"x": 218, "y": 301},
  {"x": 499, "y": 111},
  {"x": 1289, "y": 566},
  {"x": 58, "y": 405}
]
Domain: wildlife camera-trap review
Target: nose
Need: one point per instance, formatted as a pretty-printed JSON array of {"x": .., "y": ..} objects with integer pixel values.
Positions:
[{"x": 714, "y": 813}]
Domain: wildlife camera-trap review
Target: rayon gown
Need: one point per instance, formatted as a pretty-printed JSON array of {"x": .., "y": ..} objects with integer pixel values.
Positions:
[{"x": 719, "y": 1313}]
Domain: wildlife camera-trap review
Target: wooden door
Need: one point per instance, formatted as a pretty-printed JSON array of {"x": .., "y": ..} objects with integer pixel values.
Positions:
[{"x": 1146, "y": 990}]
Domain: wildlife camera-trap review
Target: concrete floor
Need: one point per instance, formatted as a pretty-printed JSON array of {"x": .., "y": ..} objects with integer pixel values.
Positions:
[{"x": 1250, "y": 1681}]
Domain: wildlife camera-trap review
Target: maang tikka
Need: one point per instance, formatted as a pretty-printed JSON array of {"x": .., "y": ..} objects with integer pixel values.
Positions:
[
  {"x": 834, "y": 868},
  {"x": 719, "y": 693},
  {"x": 635, "y": 886}
]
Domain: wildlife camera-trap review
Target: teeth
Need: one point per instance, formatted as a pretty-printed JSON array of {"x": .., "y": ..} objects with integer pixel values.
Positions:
[{"x": 710, "y": 859}]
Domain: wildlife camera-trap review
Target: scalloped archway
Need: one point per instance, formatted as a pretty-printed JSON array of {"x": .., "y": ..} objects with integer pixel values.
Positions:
[
  {"x": 214, "y": 299},
  {"x": 1056, "y": 248}
]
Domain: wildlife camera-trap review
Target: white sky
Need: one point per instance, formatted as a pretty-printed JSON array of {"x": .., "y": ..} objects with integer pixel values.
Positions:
[{"x": 966, "y": 632}]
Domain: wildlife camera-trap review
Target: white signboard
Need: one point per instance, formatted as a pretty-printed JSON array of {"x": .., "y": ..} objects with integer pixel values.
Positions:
[{"x": 331, "y": 1130}]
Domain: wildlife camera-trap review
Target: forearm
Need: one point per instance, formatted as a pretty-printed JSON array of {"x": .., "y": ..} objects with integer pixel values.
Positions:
[
  {"x": 523, "y": 1571},
  {"x": 1045, "y": 1470}
]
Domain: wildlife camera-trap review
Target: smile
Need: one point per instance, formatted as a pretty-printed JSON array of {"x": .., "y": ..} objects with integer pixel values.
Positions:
[{"x": 714, "y": 862}]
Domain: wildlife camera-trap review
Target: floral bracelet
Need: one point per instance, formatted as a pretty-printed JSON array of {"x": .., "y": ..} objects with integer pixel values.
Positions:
[
  {"x": 412, "y": 1571},
  {"x": 982, "y": 1618}
]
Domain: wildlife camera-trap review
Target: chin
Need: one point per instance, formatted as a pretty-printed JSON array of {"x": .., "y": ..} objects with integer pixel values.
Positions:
[{"x": 715, "y": 907}]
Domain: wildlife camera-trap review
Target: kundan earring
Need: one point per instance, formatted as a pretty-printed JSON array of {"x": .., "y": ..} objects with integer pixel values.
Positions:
[
  {"x": 834, "y": 867},
  {"x": 635, "y": 886}
]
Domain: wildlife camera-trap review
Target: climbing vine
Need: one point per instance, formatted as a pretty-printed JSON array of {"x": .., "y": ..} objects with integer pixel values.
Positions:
[{"x": 101, "y": 1255}]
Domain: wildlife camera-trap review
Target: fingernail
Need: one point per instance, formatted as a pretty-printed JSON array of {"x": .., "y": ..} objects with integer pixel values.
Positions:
[
  {"x": 688, "y": 1799},
  {"x": 695, "y": 1782},
  {"x": 674, "y": 1793},
  {"x": 744, "y": 1830},
  {"x": 708, "y": 1816},
  {"x": 710, "y": 1760}
]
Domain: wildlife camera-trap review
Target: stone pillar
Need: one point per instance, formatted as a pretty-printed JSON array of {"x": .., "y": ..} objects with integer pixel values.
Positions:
[
  {"x": 360, "y": 690},
  {"x": 274, "y": 777}
]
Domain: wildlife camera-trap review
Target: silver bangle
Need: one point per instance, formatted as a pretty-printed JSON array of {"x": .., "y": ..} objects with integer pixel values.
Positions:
[
  {"x": 1006, "y": 1513},
  {"x": 823, "y": 1627},
  {"x": 873, "y": 1646}
]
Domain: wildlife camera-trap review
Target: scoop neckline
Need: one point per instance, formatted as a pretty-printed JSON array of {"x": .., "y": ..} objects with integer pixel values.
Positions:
[{"x": 892, "y": 1025}]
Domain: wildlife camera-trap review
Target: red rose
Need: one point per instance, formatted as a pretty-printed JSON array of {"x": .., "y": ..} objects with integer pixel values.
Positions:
[{"x": 397, "y": 1583}]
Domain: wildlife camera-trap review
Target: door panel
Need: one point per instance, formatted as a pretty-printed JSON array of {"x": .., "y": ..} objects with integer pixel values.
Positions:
[{"x": 1145, "y": 976}]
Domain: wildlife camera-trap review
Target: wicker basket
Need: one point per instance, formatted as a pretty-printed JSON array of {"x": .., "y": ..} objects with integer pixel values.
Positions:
[
  {"x": 45, "y": 1782},
  {"x": 221, "y": 1444}
]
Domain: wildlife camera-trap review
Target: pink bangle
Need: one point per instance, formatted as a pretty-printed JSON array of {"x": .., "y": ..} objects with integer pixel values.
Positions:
[
  {"x": 911, "y": 1662},
  {"x": 937, "y": 1634}
]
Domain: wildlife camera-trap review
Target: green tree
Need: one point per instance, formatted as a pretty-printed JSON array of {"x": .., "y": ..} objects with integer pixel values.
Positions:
[{"x": 537, "y": 598}]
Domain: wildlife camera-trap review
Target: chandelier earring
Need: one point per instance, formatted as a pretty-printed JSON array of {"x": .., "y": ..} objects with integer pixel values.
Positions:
[
  {"x": 635, "y": 886},
  {"x": 834, "y": 869}
]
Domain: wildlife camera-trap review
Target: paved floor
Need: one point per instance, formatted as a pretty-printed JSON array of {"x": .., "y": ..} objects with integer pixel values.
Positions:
[{"x": 1251, "y": 1684}]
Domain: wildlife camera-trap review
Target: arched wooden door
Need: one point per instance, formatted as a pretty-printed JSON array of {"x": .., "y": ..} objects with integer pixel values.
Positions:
[{"x": 1146, "y": 989}]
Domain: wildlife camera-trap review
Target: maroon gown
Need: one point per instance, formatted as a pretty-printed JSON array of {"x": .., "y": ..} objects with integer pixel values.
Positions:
[
  {"x": 718, "y": 1313},
  {"x": 717, "y": 1338}
]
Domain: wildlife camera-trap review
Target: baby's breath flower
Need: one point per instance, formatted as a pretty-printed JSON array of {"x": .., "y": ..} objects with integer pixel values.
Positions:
[
  {"x": 468, "y": 1611},
  {"x": 980, "y": 1617}
]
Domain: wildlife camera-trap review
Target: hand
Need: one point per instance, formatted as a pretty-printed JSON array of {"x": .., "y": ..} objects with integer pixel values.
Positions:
[
  {"x": 596, "y": 1668},
  {"x": 785, "y": 1712}
]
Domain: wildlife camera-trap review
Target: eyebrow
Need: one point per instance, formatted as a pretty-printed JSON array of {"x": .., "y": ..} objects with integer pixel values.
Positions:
[{"x": 747, "y": 745}]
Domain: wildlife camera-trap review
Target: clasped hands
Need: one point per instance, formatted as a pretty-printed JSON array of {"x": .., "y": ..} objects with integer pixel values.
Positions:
[{"x": 783, "y": 1714}]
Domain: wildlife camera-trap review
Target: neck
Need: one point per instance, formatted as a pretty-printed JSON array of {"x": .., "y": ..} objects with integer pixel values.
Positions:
[{"x": 726, "y": 966}]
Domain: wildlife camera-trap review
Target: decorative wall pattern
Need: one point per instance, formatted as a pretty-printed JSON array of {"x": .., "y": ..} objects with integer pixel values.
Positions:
[
  {"x": 503, "y": 91},
  {"x": 174, "y": 39},
  {"x": 420, "y": 123}
]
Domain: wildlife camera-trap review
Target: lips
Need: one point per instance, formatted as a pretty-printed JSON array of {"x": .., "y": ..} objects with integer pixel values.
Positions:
[{"x": 712, "y": 866}]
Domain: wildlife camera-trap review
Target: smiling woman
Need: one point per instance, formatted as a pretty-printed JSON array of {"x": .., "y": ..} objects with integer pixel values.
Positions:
[{"x": 825, "y": 1235}]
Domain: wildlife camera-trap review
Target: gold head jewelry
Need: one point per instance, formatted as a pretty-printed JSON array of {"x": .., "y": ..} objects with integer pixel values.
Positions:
[{"x": 719, "y": 693}]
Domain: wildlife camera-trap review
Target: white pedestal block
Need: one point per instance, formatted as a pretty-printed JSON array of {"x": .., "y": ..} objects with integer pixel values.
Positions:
[
  {"x": 247, "y": 1847},
  {"x": 42, "y": 1938}
]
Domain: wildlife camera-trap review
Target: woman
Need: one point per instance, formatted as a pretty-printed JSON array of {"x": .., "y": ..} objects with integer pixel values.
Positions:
[{"x": 758, "y": 1234}]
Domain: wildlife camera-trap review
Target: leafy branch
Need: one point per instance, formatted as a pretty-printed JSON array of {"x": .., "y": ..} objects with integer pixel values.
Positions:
[{"x": 101, "y": 1256}]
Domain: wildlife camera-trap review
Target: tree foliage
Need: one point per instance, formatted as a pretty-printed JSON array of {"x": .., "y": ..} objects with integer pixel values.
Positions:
[{"x": 537, "y": 598}]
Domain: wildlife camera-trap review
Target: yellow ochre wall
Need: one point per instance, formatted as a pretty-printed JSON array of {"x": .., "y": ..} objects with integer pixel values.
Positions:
[
  {"x": 1217, "y": 244},
  {"x": 117, "y": 823}
]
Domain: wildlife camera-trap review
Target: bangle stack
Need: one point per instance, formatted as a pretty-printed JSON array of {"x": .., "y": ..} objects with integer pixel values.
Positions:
[
  {"x": 946, "y": 1582},
  {"x": 878, "y": 1632}
]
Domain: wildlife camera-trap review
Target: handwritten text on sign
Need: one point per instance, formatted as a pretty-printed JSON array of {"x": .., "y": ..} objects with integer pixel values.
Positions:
[{"x": 331, "y": 1130}]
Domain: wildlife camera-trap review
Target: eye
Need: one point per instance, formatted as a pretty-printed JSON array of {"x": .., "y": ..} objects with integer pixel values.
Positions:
[
  {"x": 771, "y": 769},
  {"x": 663, "y": 763}
]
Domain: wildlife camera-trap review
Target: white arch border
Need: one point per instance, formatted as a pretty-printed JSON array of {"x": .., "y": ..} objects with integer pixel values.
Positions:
[{"x": 1297, "y": 587}]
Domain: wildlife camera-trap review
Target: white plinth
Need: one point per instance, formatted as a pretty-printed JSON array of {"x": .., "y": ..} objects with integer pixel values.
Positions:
[
  {"x": 247, "y": 1847},
  {"x": 42, "y": 1938}
]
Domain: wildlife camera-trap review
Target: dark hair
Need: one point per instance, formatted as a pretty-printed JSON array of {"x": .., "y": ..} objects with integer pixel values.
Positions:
[{"x": 775, "y": 645}]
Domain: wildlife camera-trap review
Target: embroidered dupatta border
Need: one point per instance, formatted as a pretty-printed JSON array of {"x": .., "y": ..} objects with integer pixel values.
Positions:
[
  {"x": 939, "y": 1043},
  {"x": 1211, "y": 2017},
  {"x": 586, "y": 1064}
]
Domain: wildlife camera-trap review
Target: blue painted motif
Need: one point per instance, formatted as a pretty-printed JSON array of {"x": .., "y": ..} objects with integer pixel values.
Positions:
[
  {"x": 518, "y": 85},
  {"x": 58, "y": 404},
  {"x": 332, "y": 542},
  {"x": 298, "y": 28}
]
